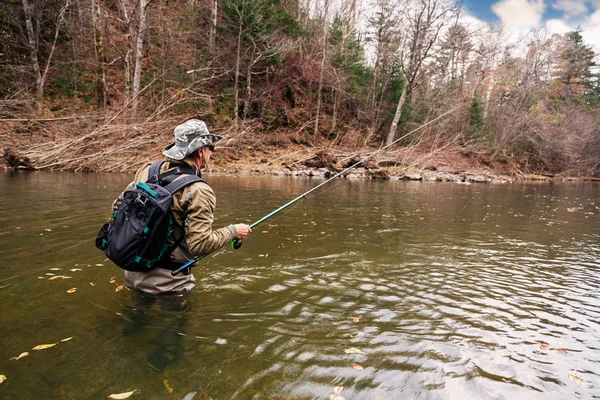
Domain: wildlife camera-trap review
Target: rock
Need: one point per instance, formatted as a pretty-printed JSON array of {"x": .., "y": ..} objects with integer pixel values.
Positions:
[
  {"x": 476, "y": 178},
  {"x": 413, "y": 177}
]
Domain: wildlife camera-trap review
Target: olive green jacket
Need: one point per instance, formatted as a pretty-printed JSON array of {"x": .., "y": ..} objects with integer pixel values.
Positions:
[{"x": 192, "y": 211}]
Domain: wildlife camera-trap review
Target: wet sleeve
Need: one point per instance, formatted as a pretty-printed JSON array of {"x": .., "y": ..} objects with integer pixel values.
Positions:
[{"x": 200, "y": 237}]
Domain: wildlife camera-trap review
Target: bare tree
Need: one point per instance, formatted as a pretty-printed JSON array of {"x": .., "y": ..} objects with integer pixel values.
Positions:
[
  {"x": 213, "y": 26},
  {"x": 322, "y": 70},
  {"x": 33, "y": 37},
  {"x": 139, "y": 52},
  {"x": 101, "y": 96},
  {"x": 424, "y": 21}
]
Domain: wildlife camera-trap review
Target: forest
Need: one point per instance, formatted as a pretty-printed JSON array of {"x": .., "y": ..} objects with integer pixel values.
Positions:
[{"x": 98, "y": 85}]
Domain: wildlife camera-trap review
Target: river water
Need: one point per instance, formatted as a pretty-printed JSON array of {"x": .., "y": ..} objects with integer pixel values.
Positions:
[{"x": 364, "y": 290}]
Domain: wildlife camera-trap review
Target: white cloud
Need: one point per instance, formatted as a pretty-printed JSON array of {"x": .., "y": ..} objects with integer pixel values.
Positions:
[
  {"x": 557, "y": 26},
  {"x": 520, "y": 13},
  {"x": 591, "y": 30},
  {"x": 571, "y": 8}
]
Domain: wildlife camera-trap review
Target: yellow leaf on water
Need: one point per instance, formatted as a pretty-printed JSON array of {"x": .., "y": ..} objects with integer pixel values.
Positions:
[
  {"x": 72, "y": 290},
  {"x": 67, "y": 339},
  {"x": 48, "y": 230},
  {"x": 543, "y": 346},
  {"x": 120, "y": 396},
  {"x": 54, "y": 269},
  {"x": 44, "y": 346},
  {"x": 92, "y": 283},
  {"x": 2, "y": 378},
  {"x": 575, "y": 378},
  {"x": 166, "y": 385},
  {"x": 75, "y": 269},
  {"x": 356, "y": 319},
  {"x": 353, "y": 350},
  {"x": 118, "y": 288},
  {"x": 357, "y": 334},
  {"x": 357, "y": 366},
  {"x": 24, "y": 354},
  {"x": 55, "y": 277},
  {"x": 338, "y": 389},
  {"x": 99, "y": 265}
]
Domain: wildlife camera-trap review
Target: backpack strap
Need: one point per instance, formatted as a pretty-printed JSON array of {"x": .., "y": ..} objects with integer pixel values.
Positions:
[
  {"x": 154, "y": 171},
  {"x": 182, "y": 182}
]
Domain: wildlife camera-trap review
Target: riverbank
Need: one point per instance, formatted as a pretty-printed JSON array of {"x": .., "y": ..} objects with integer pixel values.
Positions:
[{"x": 326, "y": 162}]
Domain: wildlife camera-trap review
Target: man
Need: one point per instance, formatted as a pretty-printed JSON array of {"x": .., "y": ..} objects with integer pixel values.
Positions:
[{"x": 192, "y": 211}]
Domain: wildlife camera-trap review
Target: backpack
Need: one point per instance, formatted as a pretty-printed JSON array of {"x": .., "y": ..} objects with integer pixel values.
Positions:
[{"x": 136, "y": 237}]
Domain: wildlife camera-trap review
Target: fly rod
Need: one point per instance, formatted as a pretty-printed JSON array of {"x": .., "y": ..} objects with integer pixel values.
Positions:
[{"x": 237, "y": 243}]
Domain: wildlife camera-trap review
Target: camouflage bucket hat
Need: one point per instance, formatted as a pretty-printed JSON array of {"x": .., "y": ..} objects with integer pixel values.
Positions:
[{"x": 189, "y": 137}]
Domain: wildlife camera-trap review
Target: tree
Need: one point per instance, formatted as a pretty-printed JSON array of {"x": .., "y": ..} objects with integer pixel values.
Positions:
[
  {"x": 41, "y": 72},
  {"x": 576, "y": 67},
  {"x": 423, "y": 23}
]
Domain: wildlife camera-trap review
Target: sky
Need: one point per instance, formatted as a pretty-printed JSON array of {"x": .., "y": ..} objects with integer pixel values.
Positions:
[{"x": 557, "y": 16}]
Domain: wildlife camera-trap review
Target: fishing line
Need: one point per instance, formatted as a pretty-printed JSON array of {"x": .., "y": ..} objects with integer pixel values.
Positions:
[{"x": 237, "y": 243}]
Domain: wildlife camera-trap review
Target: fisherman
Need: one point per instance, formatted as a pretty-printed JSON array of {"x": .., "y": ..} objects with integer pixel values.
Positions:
[{"x": 192, "y": 211}]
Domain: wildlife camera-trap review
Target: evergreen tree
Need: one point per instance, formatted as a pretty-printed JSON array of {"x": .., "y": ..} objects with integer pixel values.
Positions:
[
  {"x": 476, "y": 118},
  {"x": 576, "y": 68}
]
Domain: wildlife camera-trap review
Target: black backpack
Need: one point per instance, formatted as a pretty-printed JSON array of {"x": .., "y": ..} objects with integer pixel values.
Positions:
[{"x": 136, "y": 237}]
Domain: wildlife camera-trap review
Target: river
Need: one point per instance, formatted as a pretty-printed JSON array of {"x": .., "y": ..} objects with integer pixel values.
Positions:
[{"x": 366, "y": 289}]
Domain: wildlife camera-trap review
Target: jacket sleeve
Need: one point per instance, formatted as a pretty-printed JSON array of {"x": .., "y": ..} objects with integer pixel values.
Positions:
[{"x": 200, "y": 237}]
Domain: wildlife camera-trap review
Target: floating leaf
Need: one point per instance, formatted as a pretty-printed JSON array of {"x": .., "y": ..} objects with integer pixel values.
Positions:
[
  {"x": 92, "y": 283},
  {"x": 118, "y": 288},
  {"x": 24, "y": 354},
  {"x": 338, "y": 389},
  {"x": 356, "y": 319},
  {"x": 72, "y": 290},
  {"x": 2, "y": 378},
  {"x": 44, "y": 346},
  {"x": 99, "y": 265},
  {"x": 357, "y": 366},
  {"x": 120, "y": 396},
  {"x": 561, "y": 350},
  {"x": 574, "y": 377},
  {"x": 55, "y": 277},
  {"x": 48, "y": 230},
  {"x": 353, "y": 350},
  {"x": 75, "y": 269},
  {"x": 55, "y": 269},
  {"x": 166, "y": 385},
  {"x": 357, "y": 334},
  {"x": 67, "y": 339},
  {"x": 544, "y": 346}
]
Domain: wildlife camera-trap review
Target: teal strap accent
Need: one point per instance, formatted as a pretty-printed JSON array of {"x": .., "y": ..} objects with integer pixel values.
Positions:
[
  {"x": 147, "y": 189},
  {"x": 115, "y": 213},
  {"x": 146, "y": 229},
  {"x": 138, "y": 259}
]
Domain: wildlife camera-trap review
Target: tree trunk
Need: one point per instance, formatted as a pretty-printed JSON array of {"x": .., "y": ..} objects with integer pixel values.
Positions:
[
  {"x": 392, "y": 133},
  {"x": 213, "y": 27},
  {"x": 33, "y": 50},
  {"x": 127, "y": 57},
  {"x": 321, "y": 73},
  {"x": 139, "y": 53},
  {"x": 101, "y": 96},
  {"x": 238, "y": 61}
]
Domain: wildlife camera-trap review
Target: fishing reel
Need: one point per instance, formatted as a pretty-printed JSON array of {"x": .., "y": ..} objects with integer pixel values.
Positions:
[{"x": 236, "y": 244}]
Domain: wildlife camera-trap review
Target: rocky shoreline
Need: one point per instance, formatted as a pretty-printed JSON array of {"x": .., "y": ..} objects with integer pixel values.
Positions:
[{"x": 413, "y": 175}]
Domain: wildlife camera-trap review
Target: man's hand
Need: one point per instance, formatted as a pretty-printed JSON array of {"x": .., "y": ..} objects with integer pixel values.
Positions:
[{"x": 242, "y": 230}]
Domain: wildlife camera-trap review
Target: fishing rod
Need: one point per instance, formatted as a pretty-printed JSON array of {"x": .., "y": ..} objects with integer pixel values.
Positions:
[{"x": 237, "y": 243}]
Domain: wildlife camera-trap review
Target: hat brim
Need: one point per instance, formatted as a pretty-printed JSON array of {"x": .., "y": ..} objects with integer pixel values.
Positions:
[{"x": 176, "y": 152}]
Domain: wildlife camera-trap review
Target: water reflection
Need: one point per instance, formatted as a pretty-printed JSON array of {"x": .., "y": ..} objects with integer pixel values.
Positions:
[{"x": 447, "y": 292}]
